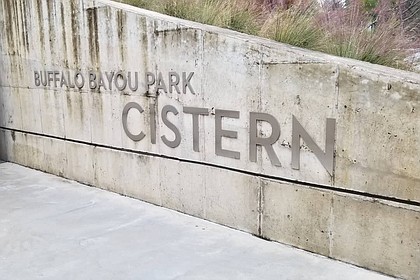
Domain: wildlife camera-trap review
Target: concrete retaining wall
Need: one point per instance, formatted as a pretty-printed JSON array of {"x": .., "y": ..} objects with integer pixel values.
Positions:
[{"x": 315, "y": 151}]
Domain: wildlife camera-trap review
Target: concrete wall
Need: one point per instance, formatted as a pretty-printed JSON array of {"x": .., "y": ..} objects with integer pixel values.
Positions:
[{"x": 366, "y": 211}]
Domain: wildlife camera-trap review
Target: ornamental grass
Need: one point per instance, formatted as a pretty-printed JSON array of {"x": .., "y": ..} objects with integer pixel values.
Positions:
[{"x": 376, "y": 31}]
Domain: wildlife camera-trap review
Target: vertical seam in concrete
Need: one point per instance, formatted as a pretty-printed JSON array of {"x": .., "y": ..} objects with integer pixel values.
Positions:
[
  {"x": 260, "y": 206},
  {"x": 201, "y": 54},
  {"x": 331, "y": 226},
  {"x": 205, "y": 196},
  {"x": 62, "y": 113},
  {"x": 201, "y": 51},
  {"x": 20, "y": 107},
  {"x": 202, "y": 80},
  {"x": 95, "y": 51},
  {"x": 261, "y": 183},
  {"x": 260, "y": 77},
  {"x": 261, "y": 190},
  {"x": 260, "y": 90},
  {"x": 337, "y": 94}
]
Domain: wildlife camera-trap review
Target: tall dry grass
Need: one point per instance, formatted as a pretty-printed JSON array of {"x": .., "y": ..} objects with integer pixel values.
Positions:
[
  {"x": 375, "y": 35},
  {"x": 376, "y": 31},
  {"x": 295, "y": 26},
  {"x": 240, "y": 15}
]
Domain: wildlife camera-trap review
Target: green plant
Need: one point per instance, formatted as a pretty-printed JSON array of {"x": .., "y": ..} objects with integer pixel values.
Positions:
[
  {"x": 210, "y": 12},
  {"x": 295, "y": 26},
  {"x": 245, "y": 16},
  {"x": 231, "y": 14}
]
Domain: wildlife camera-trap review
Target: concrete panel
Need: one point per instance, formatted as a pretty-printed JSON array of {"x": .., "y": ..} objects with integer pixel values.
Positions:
[
  {"x": 107, "y": 165},
  {"x": 3, "y": 146},
  {"x": 6, "y": 145},
  {"x": 307, "y": 91},
  {"x": 55, "y": 156},
  {"x": 78, "y": 115},
  {"x": 382, "y": 237},
  {"x": 34, "y": 151},
  {"x": 17, "y": 147},
  {"x": 232, "y": 200},
  {"x": 15, "y": 41},
  {"x": 112, "y": 41},
  {"x": 178, "y": 49},
  {"x": 106, "y": 108},
  {"x": 10, "y": 110},
  {"x": 18, "y": 72},
  {"x": 128, "y": 174},
  {"x": 224, "y": 56},
  {"x": 296, "y": 215},
  {"x": 378, "y": 143},
  {"x": 79, "y": 163},
  {"x": 5, "y": 65},
  {"x": 31, "y": 109},
  {"x": 52, "y": 115},
  {"x": 183, "y": 187},
  {"x": 140, "y": 177}
]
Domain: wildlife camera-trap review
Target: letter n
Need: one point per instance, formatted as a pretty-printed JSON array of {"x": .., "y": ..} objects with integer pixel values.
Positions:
[{"x": 326, "y": 158}]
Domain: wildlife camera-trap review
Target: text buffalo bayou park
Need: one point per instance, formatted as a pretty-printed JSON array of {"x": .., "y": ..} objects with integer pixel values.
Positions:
[{"x": 174, "y": 82}]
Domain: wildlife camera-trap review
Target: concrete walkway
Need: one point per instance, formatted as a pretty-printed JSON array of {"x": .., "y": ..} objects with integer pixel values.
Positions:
[{"x": 51, "y": 228}]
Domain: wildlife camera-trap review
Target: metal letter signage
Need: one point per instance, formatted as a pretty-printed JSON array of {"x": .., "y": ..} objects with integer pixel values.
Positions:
[{"x": 175, "y": 83}]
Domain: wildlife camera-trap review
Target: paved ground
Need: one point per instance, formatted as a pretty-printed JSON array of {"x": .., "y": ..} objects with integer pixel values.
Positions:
[{"x": 51, "y": 228}]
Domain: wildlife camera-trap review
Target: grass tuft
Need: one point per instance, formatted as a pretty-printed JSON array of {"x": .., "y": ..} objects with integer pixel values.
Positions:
[
  {"x": 295, "y": 26},
  {"x": 227, "y": 14}
]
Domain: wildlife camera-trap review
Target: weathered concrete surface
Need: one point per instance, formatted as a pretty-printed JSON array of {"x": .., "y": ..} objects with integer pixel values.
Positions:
[
  {"x": 298, "y": 216},
  {"x": 372, "y": 232},
  {"x": 380, "y": 235},
  {"x": 378, "y": 123},
  {"x": 232, "y": 72},
  {"x": 58, "y": 229},
  {"x": 78, "y": 133}
]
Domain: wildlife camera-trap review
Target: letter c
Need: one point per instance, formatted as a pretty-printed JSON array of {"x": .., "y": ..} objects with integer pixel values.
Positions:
[{"x": 127, "y": 108}]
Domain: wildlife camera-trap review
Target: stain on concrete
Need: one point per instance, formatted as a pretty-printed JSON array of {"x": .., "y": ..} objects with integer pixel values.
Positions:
[
  {"x": 9, "y": 20},
  {"x": 64, "y": 35},
  {"x": 122, "y": 33},
  {"x": 92, "y": 19},
  {"x": 52, "y": 35},
  {"x": 75, "y": 32}
]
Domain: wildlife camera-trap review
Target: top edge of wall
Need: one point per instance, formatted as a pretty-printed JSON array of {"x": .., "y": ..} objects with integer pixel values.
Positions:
[{"x": 355, "y": 65}]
